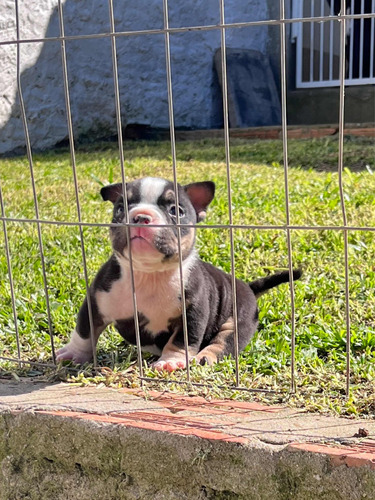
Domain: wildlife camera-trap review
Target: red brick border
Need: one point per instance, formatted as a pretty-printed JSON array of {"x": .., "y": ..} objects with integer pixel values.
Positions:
[
  {"x": 357, "y": 455},
  {"x": 156, "y": 419},
  {"x": 177, "y": 402}
]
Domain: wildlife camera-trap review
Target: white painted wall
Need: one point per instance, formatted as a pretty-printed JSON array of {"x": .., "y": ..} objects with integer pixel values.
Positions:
[{"x": 141, "y": 61}]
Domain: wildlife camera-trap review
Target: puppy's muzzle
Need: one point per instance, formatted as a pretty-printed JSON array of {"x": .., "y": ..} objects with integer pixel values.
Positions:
[{"x": 144, "y": 219}]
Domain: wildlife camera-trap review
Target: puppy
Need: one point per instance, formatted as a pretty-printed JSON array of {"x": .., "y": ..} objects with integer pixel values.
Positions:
[{"x": 154, "y": 253}]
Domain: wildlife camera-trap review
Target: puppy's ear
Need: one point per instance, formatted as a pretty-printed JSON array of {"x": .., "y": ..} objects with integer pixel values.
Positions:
[
  {"x": 201, "y": 194},
  {"x": 111, "y": 192}
]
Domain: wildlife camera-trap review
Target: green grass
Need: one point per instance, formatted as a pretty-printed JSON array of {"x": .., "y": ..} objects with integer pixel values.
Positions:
[{"x": 258, "y": 199}]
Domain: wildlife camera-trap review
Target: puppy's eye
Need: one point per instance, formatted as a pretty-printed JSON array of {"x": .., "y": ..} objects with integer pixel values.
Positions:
[
  {"x": 173, "y": 212},
  {"x": 120, "y": 210}
]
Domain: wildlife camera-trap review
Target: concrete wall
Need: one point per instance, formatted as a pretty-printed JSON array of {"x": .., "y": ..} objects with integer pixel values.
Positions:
[
  {"x": 141, "y": 61},
  {"x": 319, "y": 106}
]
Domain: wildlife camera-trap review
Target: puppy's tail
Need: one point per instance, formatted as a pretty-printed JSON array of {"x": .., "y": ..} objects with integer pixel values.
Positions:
[{"x": 260, "y": 286}]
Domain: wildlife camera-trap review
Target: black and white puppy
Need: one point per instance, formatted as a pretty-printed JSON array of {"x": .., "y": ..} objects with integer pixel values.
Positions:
[{"x": 154, "y": 253}]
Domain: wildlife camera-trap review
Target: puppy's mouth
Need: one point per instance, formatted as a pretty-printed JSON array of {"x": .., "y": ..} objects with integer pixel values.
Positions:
[
  {"x": 142, "y": 243},
  {"x": 141, "y": 233},
  {"x": 138, "y": 237}
]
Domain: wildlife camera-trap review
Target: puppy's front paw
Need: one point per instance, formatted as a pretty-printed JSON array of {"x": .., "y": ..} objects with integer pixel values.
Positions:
[
  {"x": 70, "y": 353},
  {"x": 78, "y": 350},
  {"x": 169, "y": 365}
]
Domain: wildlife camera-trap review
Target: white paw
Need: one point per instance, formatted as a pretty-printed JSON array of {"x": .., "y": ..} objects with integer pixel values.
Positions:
[
  {"x": 78, "y": 350},
  {"x": 69, "y": 353},
  {"x": 169, "y": 365}
]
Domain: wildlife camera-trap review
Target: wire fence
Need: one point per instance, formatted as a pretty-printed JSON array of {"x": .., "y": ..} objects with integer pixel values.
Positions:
[{"x": 342, "y": 19}]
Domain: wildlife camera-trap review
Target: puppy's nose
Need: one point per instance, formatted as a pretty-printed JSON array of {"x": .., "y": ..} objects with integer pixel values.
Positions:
[{"x": 142, "y": 219}]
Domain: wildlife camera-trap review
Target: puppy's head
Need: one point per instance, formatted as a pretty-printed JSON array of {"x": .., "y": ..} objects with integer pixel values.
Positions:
[{"x": 152, "y": 202}]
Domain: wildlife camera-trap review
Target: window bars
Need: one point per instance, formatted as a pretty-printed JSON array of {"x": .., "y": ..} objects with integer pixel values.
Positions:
[
  {"x": 320, "y": 71},
  {"x": 318, "y": 44}
]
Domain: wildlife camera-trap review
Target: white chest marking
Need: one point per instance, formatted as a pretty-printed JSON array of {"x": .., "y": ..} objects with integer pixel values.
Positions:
[{"x": 157, "y": 296}]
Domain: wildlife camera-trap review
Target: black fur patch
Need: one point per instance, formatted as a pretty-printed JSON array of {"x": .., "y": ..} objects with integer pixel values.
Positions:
[
  {"x": 110, "y": 272},
  {"x": 126, "y": 328},
  {"x": 256, "y": 315},
  {"x": 83, "y": 320}
]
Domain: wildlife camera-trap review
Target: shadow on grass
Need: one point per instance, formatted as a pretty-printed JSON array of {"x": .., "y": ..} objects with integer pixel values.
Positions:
[{"x": 318, "y": 154}]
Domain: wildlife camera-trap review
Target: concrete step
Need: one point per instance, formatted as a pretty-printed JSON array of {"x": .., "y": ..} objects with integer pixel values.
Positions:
[{"x": 66, "y": 442}]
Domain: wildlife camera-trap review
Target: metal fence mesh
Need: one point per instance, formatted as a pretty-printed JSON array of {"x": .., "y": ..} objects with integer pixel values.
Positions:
[{"x": 343, "y": 18}]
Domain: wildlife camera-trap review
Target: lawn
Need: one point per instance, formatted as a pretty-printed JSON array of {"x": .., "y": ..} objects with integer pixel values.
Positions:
[{"x": 258, "y": 198}]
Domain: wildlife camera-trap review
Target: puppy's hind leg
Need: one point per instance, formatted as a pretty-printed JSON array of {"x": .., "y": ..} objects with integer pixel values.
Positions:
[{"x": 221, "y": 345}]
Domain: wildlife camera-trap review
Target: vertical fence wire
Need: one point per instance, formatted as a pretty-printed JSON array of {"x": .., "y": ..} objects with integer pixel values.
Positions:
[
  {"x": 174, "y": 167},
  {"x": 123, "y": 179},
  {"x": 341, "y": 188},
  {"x": 32, "y": 177},
  {"x": 229, "y": 185},
  {"x": 286, "y": 185},
  {"x": 10, "y": 275},
  {"x": 74, "y": 169}
]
